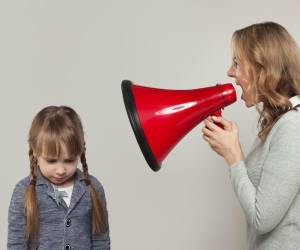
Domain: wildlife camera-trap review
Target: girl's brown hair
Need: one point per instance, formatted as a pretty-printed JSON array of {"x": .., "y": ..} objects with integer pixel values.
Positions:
[
  {"x": 52, "y": 128},
  {"x": 272, "y": 58}
]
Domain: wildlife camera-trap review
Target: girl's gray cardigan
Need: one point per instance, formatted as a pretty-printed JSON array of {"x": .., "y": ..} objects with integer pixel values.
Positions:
[{"x": 61, "y": 227}]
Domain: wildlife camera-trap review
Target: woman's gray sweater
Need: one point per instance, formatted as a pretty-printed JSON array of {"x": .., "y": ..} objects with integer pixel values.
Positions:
[{"x": 267, "y": 186}]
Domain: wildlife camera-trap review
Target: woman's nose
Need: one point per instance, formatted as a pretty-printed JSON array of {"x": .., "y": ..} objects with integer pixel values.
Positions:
[{"x": 231, "y": 72}]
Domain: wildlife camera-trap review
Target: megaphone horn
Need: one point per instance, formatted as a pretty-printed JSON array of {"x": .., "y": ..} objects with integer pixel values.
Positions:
[{"x": 160, "y": 118}]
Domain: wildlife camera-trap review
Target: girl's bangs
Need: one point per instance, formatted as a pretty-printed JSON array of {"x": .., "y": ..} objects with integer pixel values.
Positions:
[{"x": 53, "y": 144}]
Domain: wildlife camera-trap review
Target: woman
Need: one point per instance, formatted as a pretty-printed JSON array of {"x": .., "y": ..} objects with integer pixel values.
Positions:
[{"x": 266, "y": 64}]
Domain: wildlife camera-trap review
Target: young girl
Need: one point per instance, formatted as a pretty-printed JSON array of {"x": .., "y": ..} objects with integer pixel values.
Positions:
[
  {"x": 266, "y": 64},
  {"x": 58, "y": 206}
]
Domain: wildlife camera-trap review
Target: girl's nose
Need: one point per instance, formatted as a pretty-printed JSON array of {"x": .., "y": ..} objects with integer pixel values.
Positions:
[{"x": 60, "y": 170}]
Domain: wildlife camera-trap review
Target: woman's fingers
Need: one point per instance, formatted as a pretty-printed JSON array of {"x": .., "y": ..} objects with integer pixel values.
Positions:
[
  {"x": 211, "y": 125},
  {"x": 223, "y": 121},
  {"x": 206, "y": 132},
  {"x": 205, "y": 138},
  {"x": 210, "y": 118}
]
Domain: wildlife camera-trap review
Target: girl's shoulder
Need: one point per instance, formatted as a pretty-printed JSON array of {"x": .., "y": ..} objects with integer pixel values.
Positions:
[
  {"x": 23, "y": 183},
  {"x": 95, "y": 181},
  {"x": 20, "y": 188}
]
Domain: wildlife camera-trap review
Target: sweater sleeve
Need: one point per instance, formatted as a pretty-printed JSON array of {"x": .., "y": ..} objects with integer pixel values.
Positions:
[
  {"x": 265, "y": 205},
  {"x": 17, "y": 221}
]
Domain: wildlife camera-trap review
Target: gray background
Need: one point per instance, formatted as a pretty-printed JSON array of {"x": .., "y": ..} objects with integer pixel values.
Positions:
[{"x": 77, "y": 52}]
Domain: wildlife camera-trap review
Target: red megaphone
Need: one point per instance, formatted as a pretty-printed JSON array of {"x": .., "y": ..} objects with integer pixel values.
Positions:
[{"x": 160, "y": 118}]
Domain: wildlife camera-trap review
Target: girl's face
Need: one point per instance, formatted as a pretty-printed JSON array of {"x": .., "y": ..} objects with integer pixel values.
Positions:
[
  {"x": 242, "y": 79},
  {"x": 60, "y": 171}
]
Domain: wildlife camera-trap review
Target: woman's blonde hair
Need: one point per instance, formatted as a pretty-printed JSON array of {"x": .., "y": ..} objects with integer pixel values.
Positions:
[
  {"x": 273, "y": 62},
  {"x": 54, "y": 128}
]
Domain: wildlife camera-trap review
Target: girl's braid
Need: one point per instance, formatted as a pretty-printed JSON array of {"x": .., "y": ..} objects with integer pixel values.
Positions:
[
  {"x": 33, "y": 165},
  {"x": 85, "y": 167}
]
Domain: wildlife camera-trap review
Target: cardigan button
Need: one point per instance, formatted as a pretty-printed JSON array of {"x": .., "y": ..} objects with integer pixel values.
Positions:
[
  {"x": 68, "y": 247},
  {"x": 68, "y": 222}
]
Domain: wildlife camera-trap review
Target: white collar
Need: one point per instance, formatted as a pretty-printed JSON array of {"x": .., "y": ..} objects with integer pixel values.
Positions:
[{"x": 295, "y": 100}]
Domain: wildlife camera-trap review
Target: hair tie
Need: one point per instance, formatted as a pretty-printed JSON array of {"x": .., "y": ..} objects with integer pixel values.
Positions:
[
  {"x": 87, "y": 182},
  {"x": 32, "y": 182}
]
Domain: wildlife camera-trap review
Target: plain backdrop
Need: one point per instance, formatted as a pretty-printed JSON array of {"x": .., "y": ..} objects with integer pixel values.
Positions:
[{"x": 76, "y": 53}]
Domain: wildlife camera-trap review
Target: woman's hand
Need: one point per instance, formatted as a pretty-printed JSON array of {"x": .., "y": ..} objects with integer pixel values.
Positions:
[{"x": 223, "y": 141}]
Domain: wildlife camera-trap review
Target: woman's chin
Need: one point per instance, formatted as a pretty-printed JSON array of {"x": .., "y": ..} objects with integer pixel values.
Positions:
[{"x": 248, "y": 105}]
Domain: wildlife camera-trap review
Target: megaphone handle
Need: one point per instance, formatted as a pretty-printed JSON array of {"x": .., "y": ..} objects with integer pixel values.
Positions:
[{"x": 218, "y": 113}]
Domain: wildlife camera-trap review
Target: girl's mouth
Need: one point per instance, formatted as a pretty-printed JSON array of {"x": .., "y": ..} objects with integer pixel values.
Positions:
[{"x": 59, "y": 180}]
